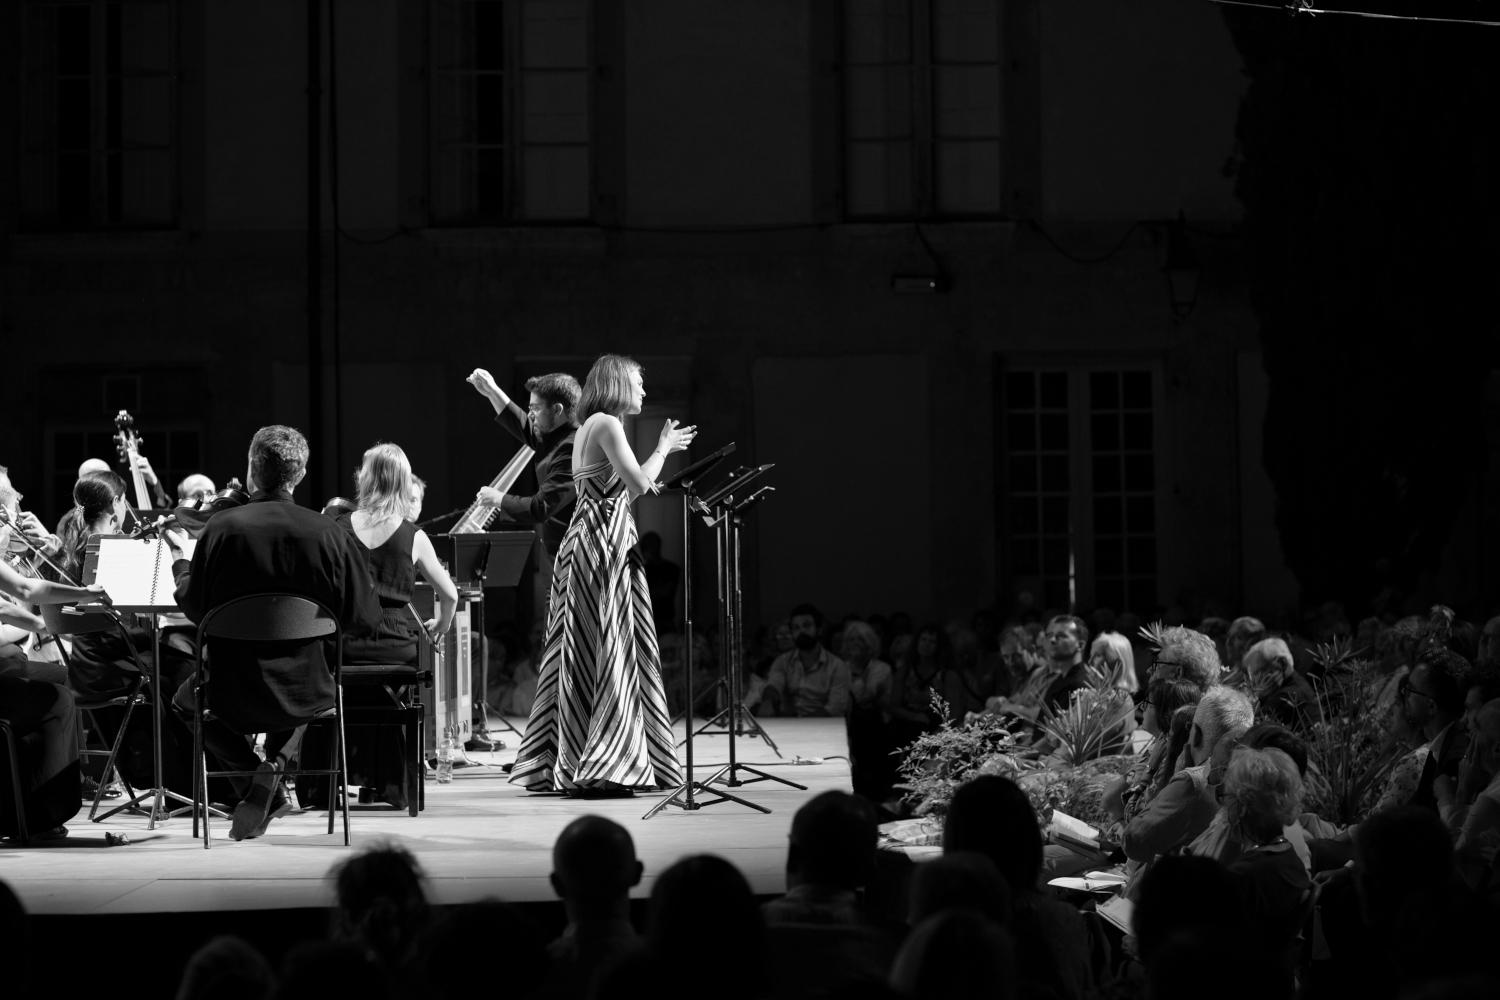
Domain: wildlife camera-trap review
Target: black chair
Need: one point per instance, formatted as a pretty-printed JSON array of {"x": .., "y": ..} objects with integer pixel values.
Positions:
[
  {"x": 402, "y": 685},
  {"x": 61, "y": 623},
  {"x": 277, "y": 617},
  {"x": 18, "y": 790}
]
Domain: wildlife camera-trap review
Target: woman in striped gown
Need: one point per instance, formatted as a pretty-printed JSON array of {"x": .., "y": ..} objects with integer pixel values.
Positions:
[{"x": 599, "y": 725}]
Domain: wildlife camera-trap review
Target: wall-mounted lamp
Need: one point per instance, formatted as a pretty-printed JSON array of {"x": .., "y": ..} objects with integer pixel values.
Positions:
[{"x": 1181, "y": 268}]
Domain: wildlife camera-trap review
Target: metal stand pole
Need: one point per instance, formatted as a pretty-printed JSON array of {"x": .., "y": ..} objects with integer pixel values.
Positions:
[
  {"x": 733, "y": 607},
  {"x": 682, "y": 795}
]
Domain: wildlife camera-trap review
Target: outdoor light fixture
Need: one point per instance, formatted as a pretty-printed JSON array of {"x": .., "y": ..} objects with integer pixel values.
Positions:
[{"x": 1180, "y": 265}]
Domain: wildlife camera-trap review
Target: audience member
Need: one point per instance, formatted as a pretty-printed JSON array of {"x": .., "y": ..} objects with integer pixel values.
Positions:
[
  {"x": 807, "y": 680},
  {"x": 1281, "y": 694},
  {"x": 992, "y": 816},
  {"x": 1186, "y": 804},
  {"x": 872, "y": 769},
  {"x": 701, "y": 909},
  {"x": 1433, "y": 699},
  {"x": 957, "y": 955},
  {"x": 1187, "y": 653},
  {"x": 594, "y": 867},
  {"x": 919, "y": 673},
  {"x": 958, "y": 880},
  {"x": 227, "y": 967},
  {"x": 380, "y": 905},
  {"x": 453, "y": 957},
  {"x": 1112, "y": 655},
  {"x": 1479, "y": 834},
  {"x": 830, "y": 857}
]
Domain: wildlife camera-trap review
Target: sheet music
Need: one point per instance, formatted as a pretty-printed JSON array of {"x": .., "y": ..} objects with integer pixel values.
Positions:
[{"x": 137, "y": 572}]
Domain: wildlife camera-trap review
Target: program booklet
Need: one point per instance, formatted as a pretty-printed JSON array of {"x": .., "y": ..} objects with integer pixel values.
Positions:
[{"x": 1073, "y": 832}]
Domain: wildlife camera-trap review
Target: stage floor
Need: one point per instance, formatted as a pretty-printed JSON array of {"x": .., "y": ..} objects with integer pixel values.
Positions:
[{"x": 478, "y": 837}]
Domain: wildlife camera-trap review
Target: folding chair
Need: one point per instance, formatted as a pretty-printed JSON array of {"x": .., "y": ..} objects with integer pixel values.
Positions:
[
  {"x": 61, "y": 623},
  {"x": 403, "y": 685},
  {"x": 276, "y": 617}
]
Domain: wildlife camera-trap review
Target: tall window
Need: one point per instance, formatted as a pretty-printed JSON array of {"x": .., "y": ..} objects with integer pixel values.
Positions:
[
  {"x": 99, "y": 114},
  {"x": 921, "y": 108},
  {"x": 1078, "y": 452},
  {"x": 510, "y": 111}
]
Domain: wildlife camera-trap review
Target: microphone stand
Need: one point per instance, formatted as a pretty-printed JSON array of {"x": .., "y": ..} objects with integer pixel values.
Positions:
[{"x": 682, "y": 795}]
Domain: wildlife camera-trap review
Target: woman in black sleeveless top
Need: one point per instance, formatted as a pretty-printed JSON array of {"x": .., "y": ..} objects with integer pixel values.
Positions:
[{"x": 396, "y": 550}]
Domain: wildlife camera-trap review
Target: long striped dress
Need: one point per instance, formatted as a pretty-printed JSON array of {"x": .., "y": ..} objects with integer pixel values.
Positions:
[{"x": 599, "y": 722}]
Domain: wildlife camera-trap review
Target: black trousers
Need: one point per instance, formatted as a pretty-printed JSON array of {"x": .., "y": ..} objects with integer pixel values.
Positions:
[
  {"x": 235, "y": 750},
  {"x": 46, "y": 726}
]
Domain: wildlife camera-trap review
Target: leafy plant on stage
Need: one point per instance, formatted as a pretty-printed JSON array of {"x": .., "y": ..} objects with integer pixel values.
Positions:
[
  {"x": 1350, "y": 749},
  {"x": 1064, "y": 768},
  {"x": 936, "y": 763},
  {"x": 1097, "y": 721}
]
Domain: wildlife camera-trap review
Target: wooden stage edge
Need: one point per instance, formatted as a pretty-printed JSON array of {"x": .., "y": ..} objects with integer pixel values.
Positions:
[{"x": 479, "y": 837}]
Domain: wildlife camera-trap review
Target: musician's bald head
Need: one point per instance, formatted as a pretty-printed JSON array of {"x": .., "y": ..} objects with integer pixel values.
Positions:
[
  {"x": 278, "y": 459},
  {"x": 92, "y": 465},
  {"x": 195, "y": 487}
]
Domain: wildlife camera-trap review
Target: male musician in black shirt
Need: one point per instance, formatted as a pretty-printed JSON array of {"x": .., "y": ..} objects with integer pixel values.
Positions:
[
  {"x": 547, "y": 427},
  {"x": 269, "y": 545}
]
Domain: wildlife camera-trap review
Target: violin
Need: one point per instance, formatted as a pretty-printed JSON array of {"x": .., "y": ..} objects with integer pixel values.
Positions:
[
  {"x": 337, "y": 506},
  {"x": 191, "y": 515}
]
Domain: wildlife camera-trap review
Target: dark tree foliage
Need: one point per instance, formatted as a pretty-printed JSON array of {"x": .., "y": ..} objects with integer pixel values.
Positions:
[{"x": 1368, "y": 168}]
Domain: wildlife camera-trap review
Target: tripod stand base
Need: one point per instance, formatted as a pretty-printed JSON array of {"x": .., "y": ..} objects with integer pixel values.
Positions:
[
  {"x": 750, "y": 728},
  {"x": 676, "y": 798},
  {"x": 733, "y": 780}
]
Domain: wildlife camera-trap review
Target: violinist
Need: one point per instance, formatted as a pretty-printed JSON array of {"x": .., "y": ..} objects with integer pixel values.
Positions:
[
  {"x": 39, "y": 711},
  {"x": 21, "y": 592},
  {"x": 100, "y": 664},
  {"x": 194, "y": 489}
]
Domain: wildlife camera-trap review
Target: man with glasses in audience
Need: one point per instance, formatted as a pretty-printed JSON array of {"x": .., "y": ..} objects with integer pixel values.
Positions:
[{"x": 1432, "y": 699}]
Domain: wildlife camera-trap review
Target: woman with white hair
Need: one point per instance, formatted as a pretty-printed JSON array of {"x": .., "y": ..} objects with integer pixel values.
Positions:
[
  {"x": 1262, "y": 797},
  {"x": 1281, "y": 694},
  {"x": 1111, "y": 654}
]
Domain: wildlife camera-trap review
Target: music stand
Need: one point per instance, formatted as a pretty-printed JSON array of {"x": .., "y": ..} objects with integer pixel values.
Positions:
[
  {"x": 482, "y": 559},
  {"x": 723, "y": 496},
  {"x": 137, "y": 575},
  {"x": 682, "y": 795}
]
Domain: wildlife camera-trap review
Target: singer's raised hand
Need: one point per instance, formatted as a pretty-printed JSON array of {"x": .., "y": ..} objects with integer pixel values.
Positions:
[{"x": 674, "y": 438}]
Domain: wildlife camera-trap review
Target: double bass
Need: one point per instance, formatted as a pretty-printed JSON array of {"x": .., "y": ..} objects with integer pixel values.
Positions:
[{"x": 128, "y": 444}]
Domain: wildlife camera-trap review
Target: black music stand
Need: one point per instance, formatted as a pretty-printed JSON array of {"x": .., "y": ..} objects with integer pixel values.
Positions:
[
  {"x": 715, "y": 506},
  {"x": 482, "y": 559},
  {"x": 682, "y": 795},
  {"x": 159, "y": 598},
  {"x": 729, "y": 505}
]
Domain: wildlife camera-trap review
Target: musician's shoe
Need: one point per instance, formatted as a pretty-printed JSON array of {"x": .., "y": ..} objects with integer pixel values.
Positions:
[
  {"x": 252, "y": 814},
  {"x": 280, "y": 806}
]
